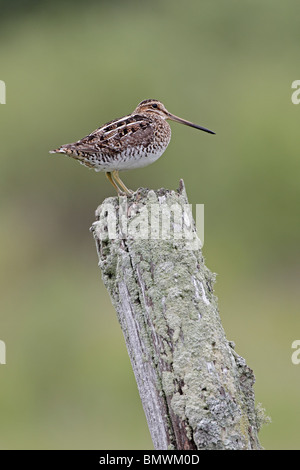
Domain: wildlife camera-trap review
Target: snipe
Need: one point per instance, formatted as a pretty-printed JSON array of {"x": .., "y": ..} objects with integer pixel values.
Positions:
[{"x": 133, "y": 141}]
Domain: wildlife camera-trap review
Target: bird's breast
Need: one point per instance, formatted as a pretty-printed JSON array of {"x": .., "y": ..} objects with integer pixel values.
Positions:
[{"x": 139, "y": 153}]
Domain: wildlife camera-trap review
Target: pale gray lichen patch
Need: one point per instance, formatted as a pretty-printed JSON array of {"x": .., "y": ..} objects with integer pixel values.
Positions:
[
  {"x": 178, "y": 404},
  {"x": 261, "y": 416},
  {"x": 168, "y": 384}
]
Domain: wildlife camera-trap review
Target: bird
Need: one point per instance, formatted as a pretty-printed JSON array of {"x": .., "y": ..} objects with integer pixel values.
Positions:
[{"x": 132, "y": 141}]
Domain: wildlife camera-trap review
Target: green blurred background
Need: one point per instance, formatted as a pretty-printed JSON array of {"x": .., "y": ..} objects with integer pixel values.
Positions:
[{"x": 71, "y": 66}]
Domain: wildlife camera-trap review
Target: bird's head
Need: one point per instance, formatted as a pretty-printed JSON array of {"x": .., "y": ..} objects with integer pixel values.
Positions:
[{"x": 155, "y": 107}]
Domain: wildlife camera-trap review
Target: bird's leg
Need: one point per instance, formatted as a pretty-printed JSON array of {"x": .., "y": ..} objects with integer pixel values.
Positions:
[
  {"x": 110, "y": 179},
  {"x": 117, "y": 178}
]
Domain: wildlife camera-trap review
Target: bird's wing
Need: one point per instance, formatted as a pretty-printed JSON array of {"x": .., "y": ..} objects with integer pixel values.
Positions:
[{"x": 129, "y": 132}]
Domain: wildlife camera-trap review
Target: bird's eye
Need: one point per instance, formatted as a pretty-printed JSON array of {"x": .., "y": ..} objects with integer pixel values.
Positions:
[{"x": 154, "y": 105}]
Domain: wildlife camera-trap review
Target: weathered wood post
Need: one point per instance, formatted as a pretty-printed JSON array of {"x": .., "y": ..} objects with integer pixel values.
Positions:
[{"x": 196, "y": 391}]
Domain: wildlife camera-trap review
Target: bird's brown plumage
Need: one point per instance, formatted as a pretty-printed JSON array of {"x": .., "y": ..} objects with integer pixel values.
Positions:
[{"x": 133, "y": 141}]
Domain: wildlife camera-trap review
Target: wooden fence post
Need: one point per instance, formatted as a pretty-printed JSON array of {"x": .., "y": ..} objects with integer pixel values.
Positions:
[{"x": 197, "y": 392}]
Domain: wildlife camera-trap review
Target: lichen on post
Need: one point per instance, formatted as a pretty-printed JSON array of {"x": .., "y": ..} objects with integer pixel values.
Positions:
[{"x": 197, "y": 392}]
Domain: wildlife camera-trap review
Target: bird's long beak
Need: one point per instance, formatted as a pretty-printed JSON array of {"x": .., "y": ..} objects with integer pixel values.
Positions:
[{"x": 188, "y": 123}]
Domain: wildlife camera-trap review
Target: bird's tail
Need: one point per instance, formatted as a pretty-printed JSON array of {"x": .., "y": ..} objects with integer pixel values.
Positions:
[{"x": 61, "y": 150}]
